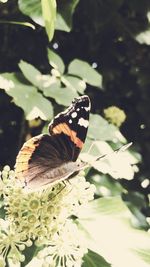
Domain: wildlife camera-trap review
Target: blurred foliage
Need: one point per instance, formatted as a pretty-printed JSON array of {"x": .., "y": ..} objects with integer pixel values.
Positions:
[
  {"x": 120, "y": 244},
  {"x": 94, "y": 259},
  {"x": 99, "y": 48}
]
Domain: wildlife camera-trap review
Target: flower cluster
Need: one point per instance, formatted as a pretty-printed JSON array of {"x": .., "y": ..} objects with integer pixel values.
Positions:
[
  {"x": 11, "y": 241},
  {"x": 115, "y": 115},
  {"x": 43, "y": 219},
  {"x": 64, "y": 248}
]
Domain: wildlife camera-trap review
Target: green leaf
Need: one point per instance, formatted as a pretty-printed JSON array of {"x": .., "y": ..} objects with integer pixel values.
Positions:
[
  {"x": 136, "y": 203},
  {"x": 33, "y": 75},
  {"x": 55, "y": 61},
  {"x": 107, "y": 222},
  {"x": 77, "y": 83},
  {"x": 2, "y": 211},
  {"x": 49, "y": 15},
  {"x": 42, "y": 12},
  {"x": 118, "y": 165},
  {"x": 30, "y": 253},
  {"x": 8, "y": 80},
  {"x": 21, "y": 23},
  {"x": 27, "y": 97},
  {"x": 144, "y": 254},
  {"x": 92, "y": 259},
  {"x": 33, "y": 9},
  {"x": 32, "y": 102},
  {"x": 113, "y": 206},
  {"x": 86, "y": 72},
  {"x": 66, "y": 9},
  {"x": 62, "y": 95},
  {"x": 105, "y": 185},
  {"x": 100, "y": 129},
  {"x": 136, "y": 198}
]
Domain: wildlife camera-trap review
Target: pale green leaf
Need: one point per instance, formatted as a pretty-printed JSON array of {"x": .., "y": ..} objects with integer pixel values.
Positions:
[
  {"x": 21, "y": 23},
  {"x": 66, "y": 9},
  {"x": 33, "y": 9},
  {"x": 49, "y": 15},
  {"x": 8, "y": 80},
  {"x": 116, "y": 164},
  {"x": 61, "y": 23},
  {"x": 42, "y": 12},
  {"x": 62, "y": 95},
  {"x": 77, "y": 83},
  {"x": 107, "y": 222},
  {"x": 56, "y": 61},
  {"x": 100, "y": 129},
  {"x": 39, "y": 107},
  {"x": 86, "y": 72},
  {"x": 144, "y": 254},
  {"x": 92, "y": 259},
  {"x": 112, "y": 206},
  {"x": 27, "y": 97},
  {"x": 32, "y": 74}
]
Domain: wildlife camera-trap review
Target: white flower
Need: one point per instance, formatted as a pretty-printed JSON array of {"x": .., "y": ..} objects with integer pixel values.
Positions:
[
  {"x": 66, "y": 249},
  {"x": 11, "y": 243},
  {"x": 43, "y": 218}
]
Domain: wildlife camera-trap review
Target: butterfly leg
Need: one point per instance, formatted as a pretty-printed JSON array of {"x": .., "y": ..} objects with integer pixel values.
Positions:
[
  {"x": 60, "y": 189},
  {"x": 65, "y": 185},
  {"x": 68, "y": 181},
  {"x": 70, "y": 184}
]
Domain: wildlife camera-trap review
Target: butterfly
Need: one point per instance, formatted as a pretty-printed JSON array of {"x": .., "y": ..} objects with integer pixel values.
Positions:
[{"x": 50, "y": 158}]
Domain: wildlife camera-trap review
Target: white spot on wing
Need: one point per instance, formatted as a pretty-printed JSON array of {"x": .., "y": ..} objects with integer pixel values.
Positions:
[
  {"x": 87, "y": 108},
  {"x": 78, "y": 109},
  {"x": 70, "y": 121},
  {"x": 74, "y": 115},
  {"x": 83, "y": 122}
]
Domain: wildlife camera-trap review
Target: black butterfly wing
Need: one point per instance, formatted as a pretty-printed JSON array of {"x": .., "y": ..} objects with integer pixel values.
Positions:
[
  {"x": 73, "y": 122},
  {"x": 40, "y": 156}
]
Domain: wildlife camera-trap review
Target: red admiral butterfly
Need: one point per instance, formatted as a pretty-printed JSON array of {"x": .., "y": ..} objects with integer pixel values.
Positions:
[{"x": 47, "y": 158}]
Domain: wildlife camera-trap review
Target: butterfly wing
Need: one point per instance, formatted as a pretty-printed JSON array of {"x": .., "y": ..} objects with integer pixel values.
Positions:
[
  {"x": 45, "y": 159},
  {"x": 73, "y": 122},
  {"x": 39, "y": 156}
]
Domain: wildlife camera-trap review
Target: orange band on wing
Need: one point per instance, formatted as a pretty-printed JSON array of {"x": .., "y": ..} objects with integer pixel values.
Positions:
[
  {"x": 24, "y": 157},
  {"x": 64, "y": 128}
]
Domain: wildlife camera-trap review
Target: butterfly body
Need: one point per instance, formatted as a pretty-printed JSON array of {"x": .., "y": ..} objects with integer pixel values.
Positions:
[{"x": 49, "y": 158}]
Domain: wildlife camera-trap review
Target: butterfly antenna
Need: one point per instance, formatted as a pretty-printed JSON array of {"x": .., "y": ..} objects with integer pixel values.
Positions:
[
  {"x": 124, "y": 147},
  {"x": 118, "y": 150}
]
